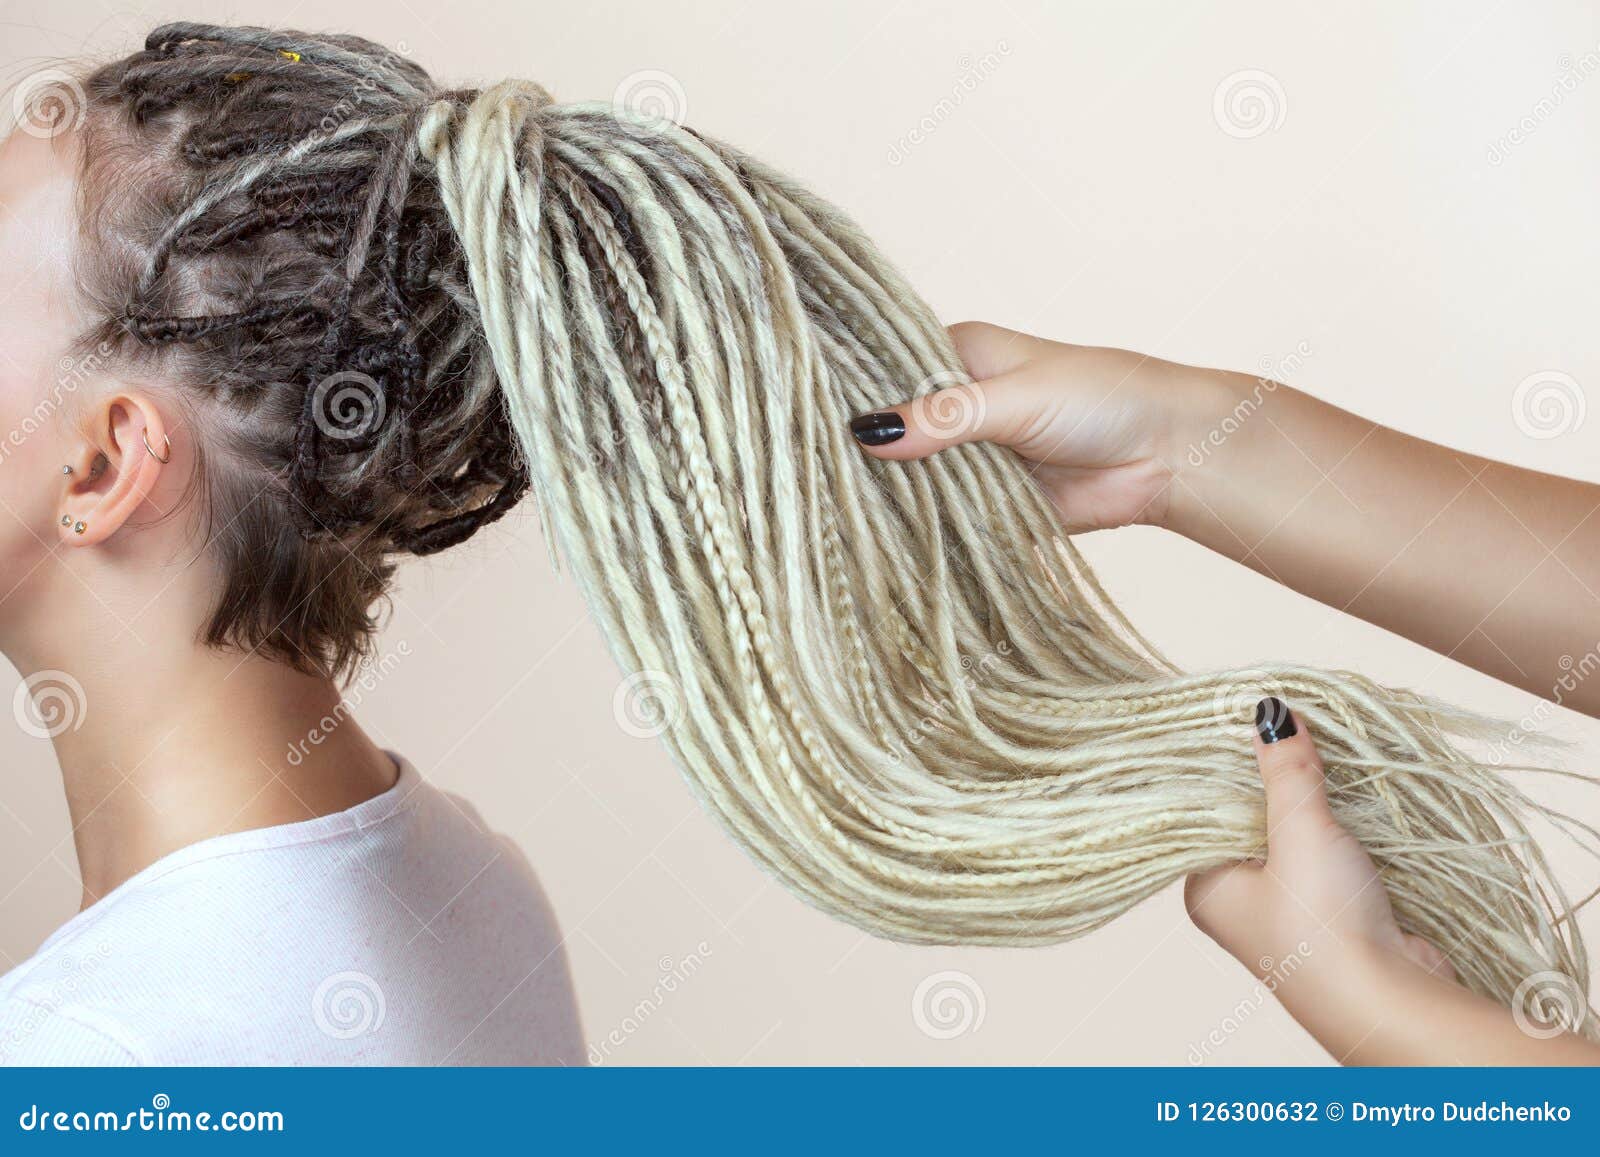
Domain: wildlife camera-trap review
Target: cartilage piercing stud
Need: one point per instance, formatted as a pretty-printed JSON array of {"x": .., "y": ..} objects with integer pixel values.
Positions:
[{"x": 66, "y": 470}]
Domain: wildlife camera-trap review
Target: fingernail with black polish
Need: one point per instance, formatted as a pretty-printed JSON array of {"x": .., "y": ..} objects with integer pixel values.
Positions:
[
  {"x": 1273, "y": 721},
  {"x": 878, "y": 429}
]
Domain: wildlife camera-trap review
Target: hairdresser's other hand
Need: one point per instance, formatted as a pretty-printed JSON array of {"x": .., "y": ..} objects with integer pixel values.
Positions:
[
  {"x": 1313, "y": 923},
  {"x": 1318, "y": 893},
  {"x": 1100, "y": 426}
]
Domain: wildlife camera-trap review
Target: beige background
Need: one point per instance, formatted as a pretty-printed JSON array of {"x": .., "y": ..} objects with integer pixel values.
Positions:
[{"x": 1080, "y": 183}]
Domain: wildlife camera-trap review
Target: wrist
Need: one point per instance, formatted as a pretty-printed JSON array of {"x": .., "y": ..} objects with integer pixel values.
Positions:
[
  {"x": 1209, "y": 448},
  {"x": 1341, "y": 986}
]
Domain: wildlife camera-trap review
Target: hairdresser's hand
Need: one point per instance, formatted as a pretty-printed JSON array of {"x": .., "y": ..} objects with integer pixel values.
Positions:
[
  {"x": 1313, "y": 923},
  {"x": 1438, "y": 546},
  {"x": 1100, "y": 426},
  {"x": 1318, "y": 892}
]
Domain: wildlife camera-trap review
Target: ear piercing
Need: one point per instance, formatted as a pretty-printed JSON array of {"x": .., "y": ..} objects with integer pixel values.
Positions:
[
  {"x": 79, "y": 526},
  {"x": 66, "y": 519},
  {"x": 146, "y": 438},
  {"x": 97, "y": 467}
]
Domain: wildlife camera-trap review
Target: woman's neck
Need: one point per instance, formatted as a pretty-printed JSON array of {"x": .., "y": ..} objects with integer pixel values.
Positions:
[{"x": 163, "y": 752}]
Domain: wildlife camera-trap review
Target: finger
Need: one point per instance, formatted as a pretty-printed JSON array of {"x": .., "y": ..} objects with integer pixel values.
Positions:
[
  {"x": 1224, "y": 899},
  {"x": 1291, "y": 772},
  {"x": 995, "y": 410},
  {"x": 1429, "y": 957},
  {"x": 991, "y": 350}
]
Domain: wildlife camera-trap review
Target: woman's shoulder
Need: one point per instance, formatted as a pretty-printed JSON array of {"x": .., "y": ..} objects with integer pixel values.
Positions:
[
  {"x": 38, "y": 1034},
  {"x": 402, "y": 931}
]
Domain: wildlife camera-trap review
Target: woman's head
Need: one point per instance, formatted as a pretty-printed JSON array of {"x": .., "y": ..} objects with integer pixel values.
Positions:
[{"x": 261, "y": 263}]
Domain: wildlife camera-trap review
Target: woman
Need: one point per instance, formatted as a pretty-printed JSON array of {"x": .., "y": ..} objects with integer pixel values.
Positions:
[
  {"x": 253, "y": 357},
  {"x": 261, "y": 883}
]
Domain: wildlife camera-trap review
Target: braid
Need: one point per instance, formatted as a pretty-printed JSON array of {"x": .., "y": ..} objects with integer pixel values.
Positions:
[
  {"x": 955, "y": 736},
  {"x": 160, "y": 330},
  {"x": 348, "y": 219},
  {"x": 896, "y": 685},
  {"x": 294, "y": 260}
]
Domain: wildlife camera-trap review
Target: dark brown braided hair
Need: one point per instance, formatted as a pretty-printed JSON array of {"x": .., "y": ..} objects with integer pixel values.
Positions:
[{"x": 257, "y": 228}]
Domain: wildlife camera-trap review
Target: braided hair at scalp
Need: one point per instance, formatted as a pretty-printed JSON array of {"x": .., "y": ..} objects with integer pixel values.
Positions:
[
  {"x": 279, "y": 242},
  {"x": 897, "y": 685}
]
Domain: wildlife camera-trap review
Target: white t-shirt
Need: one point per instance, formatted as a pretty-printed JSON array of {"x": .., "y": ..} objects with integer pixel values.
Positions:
[{"x": 397, "y": 932}]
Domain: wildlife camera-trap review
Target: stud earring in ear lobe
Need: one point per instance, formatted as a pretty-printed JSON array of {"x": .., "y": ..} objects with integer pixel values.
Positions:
[
  {"x": 79, "y": 527},
  {"x": 66, "y": 520},
  {"x": 66, "y": 470}
]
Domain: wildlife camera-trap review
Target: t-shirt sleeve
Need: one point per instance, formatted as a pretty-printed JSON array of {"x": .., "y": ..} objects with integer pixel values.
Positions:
[{"x": 33, "y": 1034}]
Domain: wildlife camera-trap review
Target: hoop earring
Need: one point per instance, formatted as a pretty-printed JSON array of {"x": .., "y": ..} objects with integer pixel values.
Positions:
[{"x": 145, "y": 438}]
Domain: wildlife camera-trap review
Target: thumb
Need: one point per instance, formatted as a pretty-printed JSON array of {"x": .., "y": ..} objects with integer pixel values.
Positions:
[
  {"x": 1291, "y": 772},
  {"x": 993, "y": 410},
  {"x": 1225, "y": 901}
]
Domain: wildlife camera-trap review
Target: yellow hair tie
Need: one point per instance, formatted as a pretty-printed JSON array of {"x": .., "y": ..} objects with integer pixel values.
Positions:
[{"x": 238, "y": 77}]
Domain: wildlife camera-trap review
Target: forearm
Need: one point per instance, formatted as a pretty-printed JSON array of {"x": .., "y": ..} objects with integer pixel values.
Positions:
[
  {"x": 1492, "y": 565},
  {"x": 1373, "y": 1007}
]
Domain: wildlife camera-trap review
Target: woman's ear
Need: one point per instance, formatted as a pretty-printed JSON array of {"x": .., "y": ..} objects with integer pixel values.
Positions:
[{"x": 114, "y": 469}]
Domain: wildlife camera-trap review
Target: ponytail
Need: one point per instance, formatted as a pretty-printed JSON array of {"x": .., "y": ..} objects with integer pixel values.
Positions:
[{"x": 896, "y": 684}]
